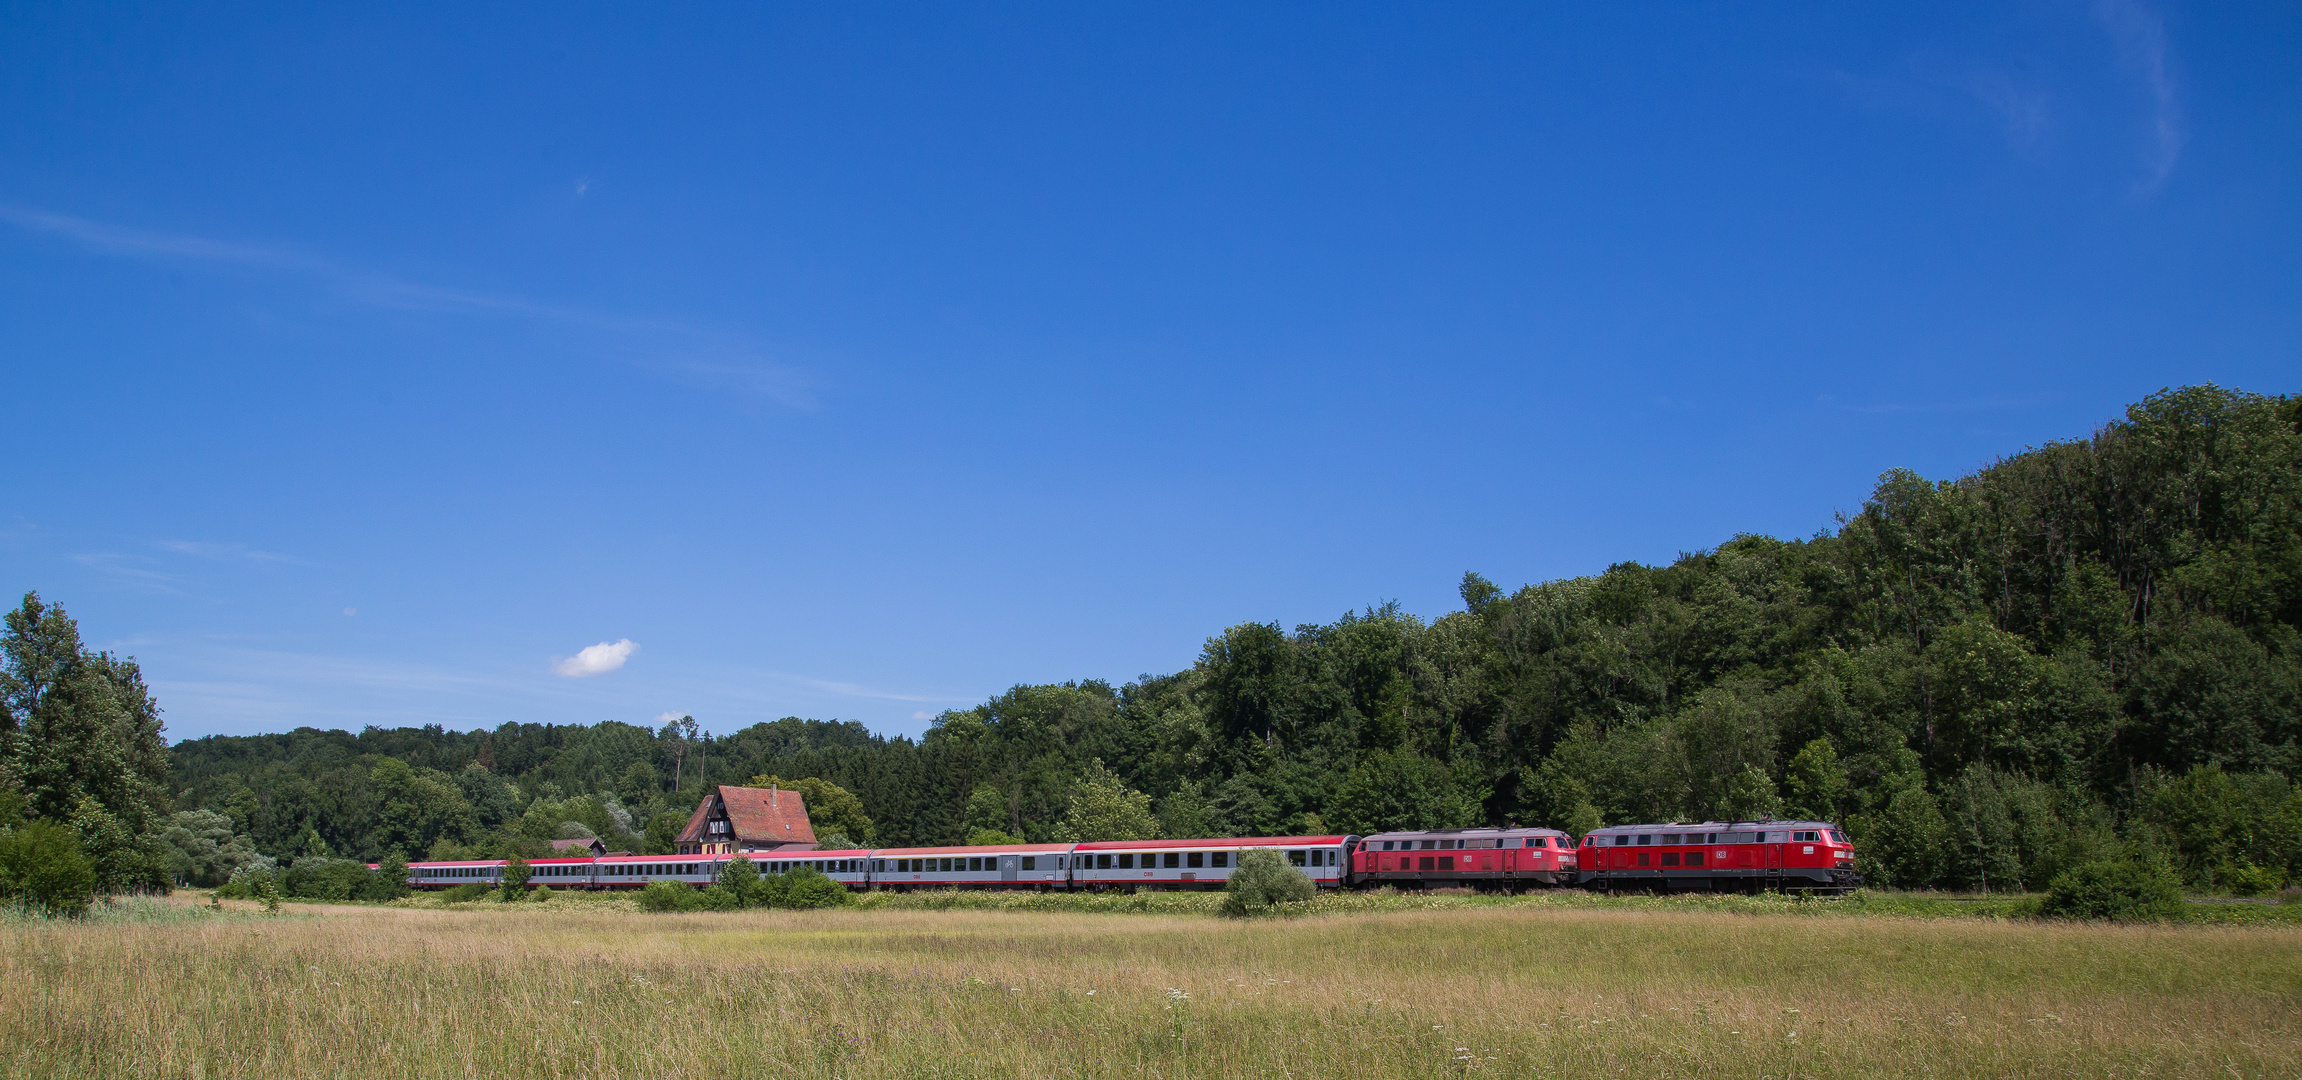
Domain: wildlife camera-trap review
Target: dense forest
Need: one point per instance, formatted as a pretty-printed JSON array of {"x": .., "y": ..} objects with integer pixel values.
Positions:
[{"x": 2089, "y": 649}]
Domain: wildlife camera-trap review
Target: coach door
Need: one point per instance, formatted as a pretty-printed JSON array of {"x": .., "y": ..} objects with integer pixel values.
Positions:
[{"x": 1008, "y": 865}]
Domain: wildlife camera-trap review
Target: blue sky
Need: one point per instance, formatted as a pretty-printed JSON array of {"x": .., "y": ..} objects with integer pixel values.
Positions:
[{"x": 367, "y": 366}]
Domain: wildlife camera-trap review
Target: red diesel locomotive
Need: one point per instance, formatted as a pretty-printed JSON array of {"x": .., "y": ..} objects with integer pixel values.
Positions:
[
  {"x": 1718, "y": 856},
  {"x": 1507, "y": 858}
]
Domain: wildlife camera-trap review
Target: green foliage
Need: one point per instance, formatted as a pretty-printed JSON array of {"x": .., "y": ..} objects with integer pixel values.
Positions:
[
  {"x": 1103, "y": 807},
  {"x": 390, "y": 881},
  {"x": 466, "y": 892},
  {"x": 1262, "y": 881},
  {"x": 515, "y": 878},
  {"x": 2226, "y": 830},
  {"x": 668, "y": 896},
  {"x": 663, "y": 834},
  {"x": 807, "y": 887},
  {"x": 980, "y": 837},
  {"x": 42, "y": 869},
  {"x": 2125, "y": 890},
  {"x": 198, "y": 847}
]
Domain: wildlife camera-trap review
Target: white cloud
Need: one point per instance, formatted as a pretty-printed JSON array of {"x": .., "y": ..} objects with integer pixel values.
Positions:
[
  {"x": 596, "y": 659},
  {"x": 923, "y": 715}
]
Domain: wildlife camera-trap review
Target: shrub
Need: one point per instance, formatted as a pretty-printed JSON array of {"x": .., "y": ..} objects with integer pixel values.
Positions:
[
  {"x": 468, "y": 891},
  {"x": 542, "y": 893},
  {"x": 318, "y": 877},
  {"x": 2124, "y": 890},
  {"x": 668, "y": 896},
  {"x": 2245, "y": 880},
  {"x": 719, "y": 898},
  {"x": 808, "y": 887},
  {"x": 42, "y": 868},
  {"x": 1262, "y": 881},
  {"x": 390, "y": 881},
  {"x": 515, "y": 879}
]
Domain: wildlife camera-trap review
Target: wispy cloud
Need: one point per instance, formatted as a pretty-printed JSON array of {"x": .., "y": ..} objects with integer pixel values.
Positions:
[
  {"x": 596, "y": 659},
  {"x": 138, "y": 572},
  {"x": 206, "y": 550},
  {"x": 688, "y": 353},
  {"x": 2023, "y": 111},
  {"x": 2140, "y": 37},
  {"x": 848, "y": 689}
]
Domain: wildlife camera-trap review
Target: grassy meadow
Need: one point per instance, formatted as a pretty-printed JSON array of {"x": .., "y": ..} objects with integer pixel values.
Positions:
[{"x": 587, "y": 989}]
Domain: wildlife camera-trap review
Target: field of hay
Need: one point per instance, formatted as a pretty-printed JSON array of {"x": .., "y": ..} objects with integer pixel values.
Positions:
[{"x": 1534, "y": 990}]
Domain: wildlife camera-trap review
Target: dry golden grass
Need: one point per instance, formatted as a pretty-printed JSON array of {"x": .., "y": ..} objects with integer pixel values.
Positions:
[{"x": 487, "y": 991}]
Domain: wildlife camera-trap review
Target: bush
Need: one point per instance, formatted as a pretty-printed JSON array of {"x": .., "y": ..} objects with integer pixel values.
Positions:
[
  {"x": 42, "y": 868},
  {"x": 468, "y": 891},
  {"x": 390, "y": 881},
  {"x": 542, "y": 893},
  {"x": 2123, "y": 890},
  {"x": 808, "y": 887},
  {"x": 2244, "y": 880},
  {"x": 515, "y": 879},
  {"x": 317, "y": 877},
  {"x": 719, "y": 898},
  {"x": 1262, "y": 882},
  {"x": 668, "y": 896}
]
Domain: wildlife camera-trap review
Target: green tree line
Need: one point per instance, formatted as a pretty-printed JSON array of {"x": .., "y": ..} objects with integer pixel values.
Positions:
[{"x": 2090, "y": 647}]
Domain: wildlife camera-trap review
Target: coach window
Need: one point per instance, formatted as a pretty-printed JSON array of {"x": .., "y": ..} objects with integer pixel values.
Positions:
[
  {"x": 1173, "y": 860},
  {"x": 1294, "y": 858},
  {"x": 1127, "y": 861},
  {"x": 1103, "y": 862},
  {"x": 1031, "y": 862},
  {"x": 1221, "y": 860},
  {"x": 1195, "y": 860}
]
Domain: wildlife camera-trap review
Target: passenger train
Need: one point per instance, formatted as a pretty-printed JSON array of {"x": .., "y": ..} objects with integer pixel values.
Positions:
[{"x": 1712, "y": 856}]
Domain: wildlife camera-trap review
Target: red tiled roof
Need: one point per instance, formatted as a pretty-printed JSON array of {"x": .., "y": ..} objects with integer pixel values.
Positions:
[{"x": 757, "y": 815}]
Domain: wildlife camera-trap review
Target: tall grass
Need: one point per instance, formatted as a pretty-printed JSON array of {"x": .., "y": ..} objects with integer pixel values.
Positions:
[{"x": 1540, "y": 990}]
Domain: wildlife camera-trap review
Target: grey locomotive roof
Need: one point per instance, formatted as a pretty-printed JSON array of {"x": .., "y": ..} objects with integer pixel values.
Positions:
[
  {"x": 1712, "y": 826},
  {"x": 1514, "y": 830}
]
